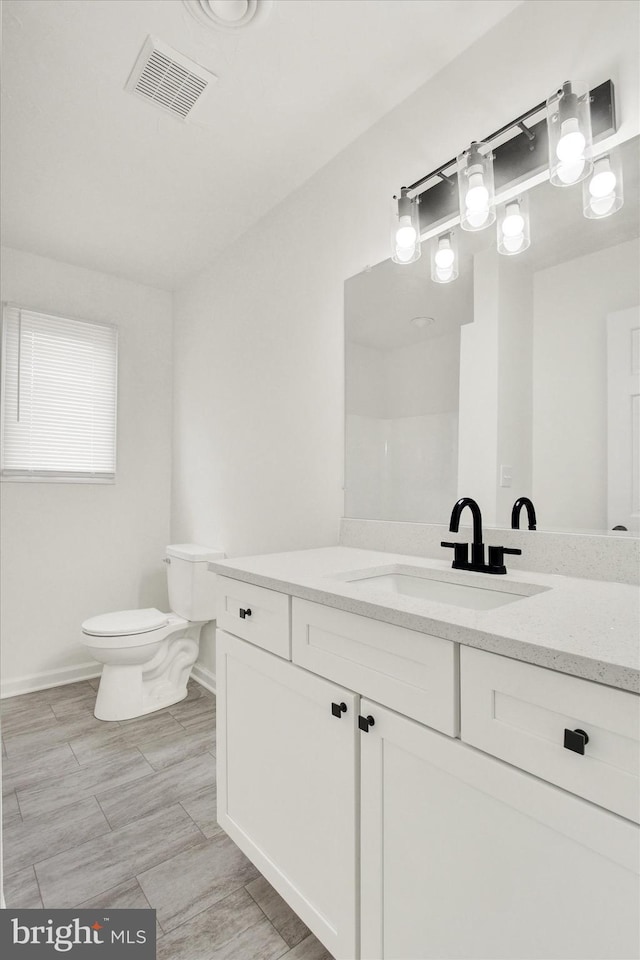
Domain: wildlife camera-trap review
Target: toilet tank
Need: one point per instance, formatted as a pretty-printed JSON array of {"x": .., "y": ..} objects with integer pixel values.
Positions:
[{"x": 191, "y": 585}]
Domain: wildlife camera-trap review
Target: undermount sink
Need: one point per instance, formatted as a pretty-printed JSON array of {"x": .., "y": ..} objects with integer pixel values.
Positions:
[{"x": 442, "y": 588}]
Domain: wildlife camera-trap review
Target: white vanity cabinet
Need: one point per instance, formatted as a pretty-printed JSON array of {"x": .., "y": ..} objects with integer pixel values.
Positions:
[
  {"x": 463, "y": 855},
  {"x": 522, "y": 713},
  {"x": 287, "y": 763},
  {"x": 341, "y": 776}
]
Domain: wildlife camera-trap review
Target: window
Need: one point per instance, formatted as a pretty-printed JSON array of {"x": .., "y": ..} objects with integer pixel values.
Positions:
[{"x": 59, "y": 381}]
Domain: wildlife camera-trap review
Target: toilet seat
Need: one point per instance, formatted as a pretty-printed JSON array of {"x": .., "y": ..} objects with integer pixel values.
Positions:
[{"x": 125, "y": 623}]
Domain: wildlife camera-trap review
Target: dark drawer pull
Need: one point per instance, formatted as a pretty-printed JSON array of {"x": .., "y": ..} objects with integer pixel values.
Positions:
[
  {"x": 337, "y": 709},
  {"x": 365, "y": 722},
  {"x": 576, "y": 740},
  {"x": 244, "y": 613}
]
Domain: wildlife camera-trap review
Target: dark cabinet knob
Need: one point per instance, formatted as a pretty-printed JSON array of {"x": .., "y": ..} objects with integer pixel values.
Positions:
[
  {"x": 244, "y": 613},
  {"x": 365, "y": 722},
  {"x": 337, "y": 709},
  {"x": 576, "y": 740}
]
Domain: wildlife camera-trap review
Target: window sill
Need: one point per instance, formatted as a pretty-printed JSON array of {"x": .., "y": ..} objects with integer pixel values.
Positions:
[{"x": 38, "y": 479}]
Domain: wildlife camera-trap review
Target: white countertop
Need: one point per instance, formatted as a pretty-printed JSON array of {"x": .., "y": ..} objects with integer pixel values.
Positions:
[{"x": 587, "y": 628}]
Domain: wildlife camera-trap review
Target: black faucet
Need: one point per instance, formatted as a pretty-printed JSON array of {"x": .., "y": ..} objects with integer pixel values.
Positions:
[
  {"x": 461, "y": 550},
  {"x": 477, "y": 547},
  {"x": 515, "y": 513}
]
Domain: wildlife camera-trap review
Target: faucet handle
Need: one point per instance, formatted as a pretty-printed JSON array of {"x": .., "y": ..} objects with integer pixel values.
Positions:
[
  {"x": 460, "y": 553},
  {"x": 496, "y": 558}
]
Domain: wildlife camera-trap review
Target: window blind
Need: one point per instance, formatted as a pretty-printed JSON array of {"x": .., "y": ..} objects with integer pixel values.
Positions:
[{"x": 59, "y": 389}]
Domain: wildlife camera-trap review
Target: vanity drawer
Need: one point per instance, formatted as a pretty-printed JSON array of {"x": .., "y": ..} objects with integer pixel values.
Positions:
[
  {"x": 413, "y": 673},
  {"x": 520, "y": 712},
  {"x": 266, "y": 621}
]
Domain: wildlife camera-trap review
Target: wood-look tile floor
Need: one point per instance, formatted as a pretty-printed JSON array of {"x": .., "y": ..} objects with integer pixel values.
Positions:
[{"x": 123, "y": 815}]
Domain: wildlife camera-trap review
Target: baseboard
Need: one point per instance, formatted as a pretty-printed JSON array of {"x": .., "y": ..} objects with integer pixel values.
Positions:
[
  {"x": 81, "y": 671},
  {"x": 204, "y": 676},
  {"x": 49, "y": 678}
]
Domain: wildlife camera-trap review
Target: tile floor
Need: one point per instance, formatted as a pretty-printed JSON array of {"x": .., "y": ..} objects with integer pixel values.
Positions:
[{"x": 123, "y": 815}]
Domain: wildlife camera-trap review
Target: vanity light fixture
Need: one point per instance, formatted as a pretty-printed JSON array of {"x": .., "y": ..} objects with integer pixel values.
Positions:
[
  {"x": 444, "y": 258},
  {"x": 557, "y": 133},
  {"x": 602, "y": 193},
  {"x": 569, "y": 129},
  {"x": 513, "y": 226},
  {"x": 405, "y": 236},
  {"x": 475, "y": 187}
]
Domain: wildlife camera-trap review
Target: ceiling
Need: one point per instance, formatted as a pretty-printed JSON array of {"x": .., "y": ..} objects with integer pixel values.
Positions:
[
  {"x": 96, "y": 177},
  {"x": 382, "y": 302}
]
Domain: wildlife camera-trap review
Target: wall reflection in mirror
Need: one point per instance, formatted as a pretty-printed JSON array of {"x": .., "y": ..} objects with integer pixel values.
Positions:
[{"x": 520, "y": 378}]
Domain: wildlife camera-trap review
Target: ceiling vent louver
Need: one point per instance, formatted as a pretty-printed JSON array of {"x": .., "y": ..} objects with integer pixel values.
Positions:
[{"x": 168, "y": 79}]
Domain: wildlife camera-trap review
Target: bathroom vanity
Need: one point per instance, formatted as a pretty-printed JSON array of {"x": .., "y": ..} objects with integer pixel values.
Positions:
[{"x": 422, "y": 777}]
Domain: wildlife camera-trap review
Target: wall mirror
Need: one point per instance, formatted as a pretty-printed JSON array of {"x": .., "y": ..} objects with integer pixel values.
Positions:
[{"x": 520, "y": 378}]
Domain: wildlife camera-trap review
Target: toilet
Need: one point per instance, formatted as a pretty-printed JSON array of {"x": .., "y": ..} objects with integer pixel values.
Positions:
[{"x": 147, "y": 655}]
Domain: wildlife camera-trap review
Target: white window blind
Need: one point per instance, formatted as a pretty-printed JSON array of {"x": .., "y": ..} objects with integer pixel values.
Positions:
[{"x": 59, "y": 386}]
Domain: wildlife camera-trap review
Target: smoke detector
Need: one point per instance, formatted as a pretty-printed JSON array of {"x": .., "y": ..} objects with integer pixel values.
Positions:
[
  {"x": 168, "y": 79},
  {"x": 230, "y": 15}
]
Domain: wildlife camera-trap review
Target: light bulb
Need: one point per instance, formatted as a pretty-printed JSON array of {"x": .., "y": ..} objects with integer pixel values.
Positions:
[
  {"x": 444, "y": 256},
  {"x": 477, "y": 198},
  {"x": 406, "y": 234},
  {"x": 477, "y": 218},
  {"x": 601, "y": 206},
  {"x": 571, "y": 143},
  {"x": 404, "y": 254},
  {"x": 444, "y": 274},
  {"x": 603, "y": 181},
  {"x": 513, "y": 227},
  {"x": 513, "y": 244},
  {"x": 513, "y": 223},
  {"x": 570, "y": 171}
]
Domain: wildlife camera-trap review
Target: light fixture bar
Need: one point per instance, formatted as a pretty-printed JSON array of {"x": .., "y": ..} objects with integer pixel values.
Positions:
[
  {"x": 514, "y": 160},
  {"x": 525, "y": 129},
  {"x": 492, "y": 136}
]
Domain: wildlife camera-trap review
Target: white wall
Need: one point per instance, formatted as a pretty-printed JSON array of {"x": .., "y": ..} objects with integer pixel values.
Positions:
[
  {"x": 515, "y": 367},
  {"x": 402, "y": 429},
  {"x": 571, "y": 303},
  {"x": 73, "y": 550},
  {"x": 366, "y": 380},
  {"x": 258, "y": 345},
  {"x": 479, "y": 356}
]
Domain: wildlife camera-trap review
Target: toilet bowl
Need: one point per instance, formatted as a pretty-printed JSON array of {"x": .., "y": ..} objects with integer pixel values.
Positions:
[{"x": 147, "y": 655}]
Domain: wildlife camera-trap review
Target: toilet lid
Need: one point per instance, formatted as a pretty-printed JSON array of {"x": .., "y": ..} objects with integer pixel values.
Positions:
[{"x": 125, "y": 622}]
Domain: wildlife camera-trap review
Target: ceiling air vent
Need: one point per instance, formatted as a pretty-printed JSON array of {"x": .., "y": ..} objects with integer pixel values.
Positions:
[{"x": 168, "y": 79}]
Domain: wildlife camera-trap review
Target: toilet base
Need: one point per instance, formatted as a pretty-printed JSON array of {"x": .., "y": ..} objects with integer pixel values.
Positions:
[
  {"x": 133, "y": 690},
  {"x": 106, "y": 709}
]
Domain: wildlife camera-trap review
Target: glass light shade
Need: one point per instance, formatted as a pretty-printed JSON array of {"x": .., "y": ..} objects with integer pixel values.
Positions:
[
  {"x": 513, "y": 226},
  {"x": 569, "y": 129},
  {"x": 475, "y": 187},
  {"x": 444, "y": 258},
  {"x": 405, "y": 229},
  {"x": 602, "y": 193}
]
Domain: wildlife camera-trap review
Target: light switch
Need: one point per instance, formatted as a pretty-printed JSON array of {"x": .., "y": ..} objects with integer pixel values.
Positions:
[{"x": 506, "y": 475}]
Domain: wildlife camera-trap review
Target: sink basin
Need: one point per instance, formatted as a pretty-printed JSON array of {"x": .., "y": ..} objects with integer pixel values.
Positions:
[{"x": 437, "y": 586}]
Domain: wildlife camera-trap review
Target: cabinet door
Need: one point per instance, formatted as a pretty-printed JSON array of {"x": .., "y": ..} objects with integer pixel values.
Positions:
[
  {"x": 465, "y": 856},
  {"x": 287, "y": 784}
]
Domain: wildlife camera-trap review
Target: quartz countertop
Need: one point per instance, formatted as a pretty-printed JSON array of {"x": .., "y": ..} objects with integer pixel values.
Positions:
[{"x": 586, "y": 628}]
